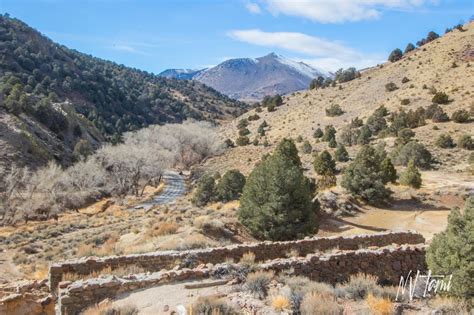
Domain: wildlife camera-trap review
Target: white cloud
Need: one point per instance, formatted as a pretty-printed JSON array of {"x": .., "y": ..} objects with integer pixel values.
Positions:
[
  {"x": 322, "y": 53},
  {"x": 128, "y": 47},
  {"x": 337, "y": 11},
  {"x": 253, "y": 8}
]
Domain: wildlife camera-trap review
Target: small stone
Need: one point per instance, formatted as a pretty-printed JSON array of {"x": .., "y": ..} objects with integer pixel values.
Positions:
[{"x": 166, "y": 308}]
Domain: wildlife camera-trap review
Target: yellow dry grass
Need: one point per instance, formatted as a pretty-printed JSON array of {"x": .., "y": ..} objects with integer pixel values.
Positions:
[{"x": 380, "y": 306}]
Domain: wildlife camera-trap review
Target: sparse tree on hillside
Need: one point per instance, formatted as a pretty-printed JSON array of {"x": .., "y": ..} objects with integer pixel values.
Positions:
[
  {"x": 329, "y": 133},
  {"x": 276, "y": 203},
  {"x": 395, "y": 55},
  {"x": 318, "y": 133},
  {"x": 410, "y": 47},
  {"x": 205, "y": 191},
  {"x": 341, "y": 154},
  {"x": 411, "y": 176},
  {"x": 230, "y": 186},
  {"x": 324, "y": 164}
]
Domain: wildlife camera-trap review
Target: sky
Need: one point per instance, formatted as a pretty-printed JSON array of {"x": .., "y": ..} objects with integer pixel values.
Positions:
[{"x": 157, "y": 35}]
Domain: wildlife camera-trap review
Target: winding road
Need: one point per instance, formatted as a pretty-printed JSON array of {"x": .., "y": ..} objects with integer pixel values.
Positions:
[{"x": 174, "y": 188}]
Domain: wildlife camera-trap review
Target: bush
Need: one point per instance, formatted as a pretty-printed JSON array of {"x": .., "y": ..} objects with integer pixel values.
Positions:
[
  {"x": 405, "y": 101},
  {"x": 332, "y": 143},
  {"x": 242, "y": 141},
  {"x": 334, "y": 110},
  {"x": 229, "y": 143},
  {"x": 319, "y": 303},
  {"x": 389, "y": 173},
  {"x": 342, "y": 75},
  {"x": 257, "y": 283},
  {"x": 395, "y": 55},
  {"x": 329, "y": 133},
  {"x": 440, "y": 116},
  {"x": 348, "y": 135},
  {"x": 271, "y": 107},
  {"x": 230, "y": 186},
  {"x": 307, "y": 148},
  {"x": 276, "y": 203},
  {"x": 253, "y": 117},
  {"x": 460, "y": 116},
  {"x": 451, "y": 251},
  {"x": 280, "y": 303},
  {"x": 404, "y": 136},
  {"x": 243, "y": 123},
  {"x": 380, "y": 306},
  {"x": 390, "y": 87},
  {"x": 411, "y": 176},
  {"x": 300, "y": 286},
  {"x": 376, "y": 123},
  {"x": 444, "y": 141},
  {"x": 207, "y": 305},
  {"x": 364, "y": 135},
  {"x": 205, "y": 191},
  {"x": 364, "y": 176},
  {"x": 405, "y": 80},
  {"x": 244, "y": 132},
  {"x": 465, "y": 142},
  {"x": 324, "y": 164},
  {"x": 412, "y": 151},
  {"x": 359, "y": 286},
  {"x": 410, "y": 47},
  {"x": 440, "y": 98},
  {"x": 318, "y": 133},
  {"x": 341, "y": 154}
]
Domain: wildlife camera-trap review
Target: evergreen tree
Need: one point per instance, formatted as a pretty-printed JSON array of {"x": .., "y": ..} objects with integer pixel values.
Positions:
[
  {"x": 364, "y": 135},
  {"x": 332, "y": 143},
  {"x": 205, "y": 191},
  {"x": 307, "y": 147},
  {"x": 395, "y": 55},
  {"x": 410, "y": 47},
  {"x": 411, "y": 176},
  {"x": 230, "y": 186},
  {"x": 318, "y": 133},
  {"x": 452, "y": 251},
  {"x": 364, "y": 177},
  {"x": 276, "y": 203},
  {"x": 329, "y": 133},
  {"x": 82, "y": 149},
  {"x": 324, "y": 164},
  {"x": 389, "y": 173},
  {"x": 341, "y": 154}
]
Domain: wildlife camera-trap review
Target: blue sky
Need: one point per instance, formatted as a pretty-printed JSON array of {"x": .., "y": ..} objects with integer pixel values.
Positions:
[{"x": 156, "y": 35}]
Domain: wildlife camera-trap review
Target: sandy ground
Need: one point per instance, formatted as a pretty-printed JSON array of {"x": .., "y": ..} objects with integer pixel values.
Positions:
[{"x": 157, "y": 299}]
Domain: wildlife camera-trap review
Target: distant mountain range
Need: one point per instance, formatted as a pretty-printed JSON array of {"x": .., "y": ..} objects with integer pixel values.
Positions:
[{"x": 251, "y": 79}]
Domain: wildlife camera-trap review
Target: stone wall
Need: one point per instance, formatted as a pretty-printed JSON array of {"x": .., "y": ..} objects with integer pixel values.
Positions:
[
  {"x": 156, "y": 261},
  {"x": 263, "y": 251},
  {"x": 387, "y": 263}
]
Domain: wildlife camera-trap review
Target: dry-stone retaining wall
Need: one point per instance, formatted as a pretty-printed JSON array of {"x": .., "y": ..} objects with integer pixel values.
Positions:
[
  {"x": 263, "y": 251},
  {"x": 386, "y": 263}
]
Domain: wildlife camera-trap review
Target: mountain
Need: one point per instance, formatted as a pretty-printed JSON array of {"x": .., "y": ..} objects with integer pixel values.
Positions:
[
  {"x": 51, "y": 97},
  {"x": 252, "y": 79},
  {"x": 181, "y": 74}
]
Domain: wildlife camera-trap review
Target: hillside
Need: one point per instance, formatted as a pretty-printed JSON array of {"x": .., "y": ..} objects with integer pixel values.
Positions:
[
  {"x": 252, "y": 79},
  {"x": 442, "y": 65},
  {"x": 52, "y": 96}
]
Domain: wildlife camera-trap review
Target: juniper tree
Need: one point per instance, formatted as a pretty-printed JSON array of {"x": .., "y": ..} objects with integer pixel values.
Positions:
[
  {"x": 411, "y": 176},
  {"x": 205, "y": 191},
  {"x": 363, "y": 178},
  {"x": 276, "y": 203},
  {"x": 318, "y": 133},
  {"x": 395, "y": 55},
  {"x": 230, "y": 186},
  {"x": 329, "y": 133},
  {"x": 452, "y": 251},
  {"x": 324, "y": 164},
  {"x": 341, "y": 154},
  {"x": 389, "y": 173}
]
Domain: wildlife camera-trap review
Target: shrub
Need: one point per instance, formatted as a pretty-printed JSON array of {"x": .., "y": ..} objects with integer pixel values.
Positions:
[
  {"x": 329, "y": 133},
  {"x": 451, "y": 251},
  {"x": 390, "y": 87},
  {"x": 405, "y": 80},
  {"x": 348, "y": 135},
  {"x": 364, "y": 178},
  {"x": 257, "y": 283},
  {"x": 332, "y": 143},
  {"x": 380, "y": 306},
  {"x": 244, "y": 132},
  {"x": 299, "y": 139},
  {"x": 341, "y": 154},
  {"x": 376, "y": 123},
  {"x": 324, "y": 164},
  {"x": 300, "y": 286},
  {"x": 334, "y": 110},
  {"x": 364, "y": 135},
  {"x": 229, "y": 143},
  {"x": 271, "y": 107},
  {"x": 276, "y": 203},
  {"x": 318, "y": 133},
  {"x": 410, "y": 47},
  {"x": 460, "y": 116},
  {"x": 230, "y": 186},
  {"x": 327, "y": 181},
  {"x": 243, "y": 123},
  {"x": 315, "y": 303},
  {"x": 280, "y": 303},
  {"x": 82, "y": 149},
  {"x": 242, "y": 141},
  {"x": 440, "y": 98},
  {"x": 444, "y": 141},
  {"x": 465, "y": 142},
  {"x": 359, "y": 286},
  {"x": 405, "y": 101},
  {"x": 248, "y": 261},
  {"x": 307, "y": 148},
  {"x": 411, "y": 176},
  {"x": 342, "y": 75},
  {"x": 440, "y": 116},
  {"x": 255, "y": 141},
  {"x": 404, "y": 136},
  {"x": 356, "y": 122},
  {"x": 207, "y": 305},
  {"x": 395, "y": 55},
  {"x": 316, "y": 83},
  {"x": 389, "y": 173},
  {"x": 412, "y": 151},
  {"x": 205, "y": 191},
  {"x": 253, "y": 117}
]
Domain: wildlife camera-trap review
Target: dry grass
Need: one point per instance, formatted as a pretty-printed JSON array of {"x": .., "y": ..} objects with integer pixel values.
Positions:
[
  {"x": 106, "y": 308},
  {"x": 449, "y": 305},
  {"x": 320, "y": 304},
  {"x": 380, "y": 306},
  {"x": 257, "y": 283},
  {"x": 280, "y": 303},
  {"x": 247, "y": 260},
  {"x": 120, "y": 272},
  {"x": 163, "y": 228}
]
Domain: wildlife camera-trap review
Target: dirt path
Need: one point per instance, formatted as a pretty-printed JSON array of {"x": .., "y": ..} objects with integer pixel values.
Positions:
[{"x": 167, "y": 297}]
